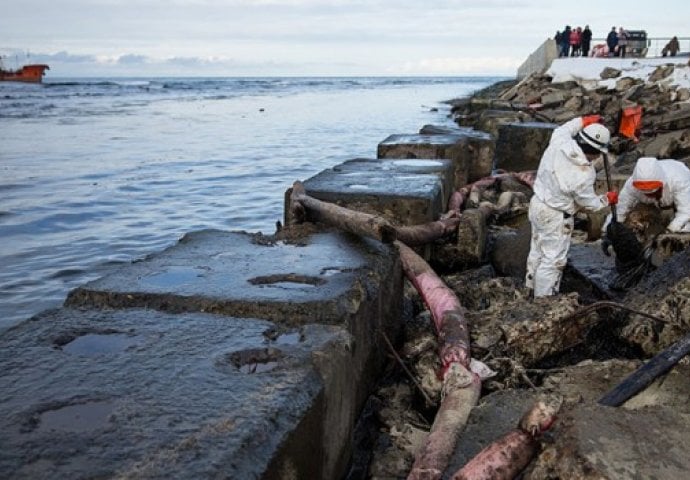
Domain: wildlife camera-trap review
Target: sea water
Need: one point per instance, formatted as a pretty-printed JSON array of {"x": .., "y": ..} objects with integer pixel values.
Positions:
[{"x": 95, "y": 173}]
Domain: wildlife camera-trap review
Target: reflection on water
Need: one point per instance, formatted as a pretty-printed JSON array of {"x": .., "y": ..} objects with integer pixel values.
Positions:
[
  {"x": 94, "y": 344},
  {"x": 77, "y": 418}
]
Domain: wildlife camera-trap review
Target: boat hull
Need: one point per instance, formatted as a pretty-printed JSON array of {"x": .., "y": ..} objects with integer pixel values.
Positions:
[{"x": 28, "y": 73}]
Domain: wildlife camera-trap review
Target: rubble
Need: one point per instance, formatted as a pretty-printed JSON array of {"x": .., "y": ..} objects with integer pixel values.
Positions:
[{"x": 559, "y": 345}]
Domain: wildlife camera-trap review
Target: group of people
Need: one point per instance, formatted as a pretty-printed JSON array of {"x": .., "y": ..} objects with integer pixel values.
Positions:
[
  {"x": 565, "y": 185},
  {"x": 576, "y": 42},
  {"x": 617, "y": 42},
  {"x": 573, "y": 42}
]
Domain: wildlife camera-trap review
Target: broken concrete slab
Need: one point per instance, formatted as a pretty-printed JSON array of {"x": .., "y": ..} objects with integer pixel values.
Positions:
[
  {"x": 144, "y": 394},
  {"x": 520, "y": 145},
  {"x": 469, "y": 249},
  {"x": 592, "y": 441},
  {"x": 497, "y": 414},
  {"x": 324, "y": 277},
  {"x": 404, "y": 191}
]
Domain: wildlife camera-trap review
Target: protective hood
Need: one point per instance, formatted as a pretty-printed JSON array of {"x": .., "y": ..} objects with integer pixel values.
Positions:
[{"x": 648, "y": 169}]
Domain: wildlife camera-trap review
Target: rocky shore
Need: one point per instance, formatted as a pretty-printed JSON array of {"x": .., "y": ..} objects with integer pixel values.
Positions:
[
  {"x": 384, "y": 331},
  {"x": 578, "y": 345}
]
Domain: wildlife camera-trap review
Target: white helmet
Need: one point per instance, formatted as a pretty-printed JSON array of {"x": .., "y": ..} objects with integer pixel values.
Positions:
[{"x": 597, "y": 136}]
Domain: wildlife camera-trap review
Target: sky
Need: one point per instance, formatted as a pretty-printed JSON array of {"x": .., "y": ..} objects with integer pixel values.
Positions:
[{"x": 306, "y": 37}]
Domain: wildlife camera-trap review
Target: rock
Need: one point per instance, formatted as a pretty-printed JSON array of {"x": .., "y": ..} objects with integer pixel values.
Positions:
[
  {"x": 682, "y": 95},
  {"x": 668, "y": 145},
  {"x": 609, "y": 72},
  {"x": 596, "y": 442},
  {"x": 661, "y": 72},
  {"x": 664, "y": 293},
  {"x": 626, "y": 83},
  {"x": 509, "y": 250}
]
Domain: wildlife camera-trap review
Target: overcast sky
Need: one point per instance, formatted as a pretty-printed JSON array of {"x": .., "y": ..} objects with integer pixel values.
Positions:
[{"x": 306, "y": 37}]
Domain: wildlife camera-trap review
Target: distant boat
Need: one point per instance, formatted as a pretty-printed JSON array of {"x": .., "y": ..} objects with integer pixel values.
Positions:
[{"x": 32, "y": 73}]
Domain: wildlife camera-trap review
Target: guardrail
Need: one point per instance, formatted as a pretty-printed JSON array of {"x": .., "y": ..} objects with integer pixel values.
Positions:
[{"x": 656, "y": 44}]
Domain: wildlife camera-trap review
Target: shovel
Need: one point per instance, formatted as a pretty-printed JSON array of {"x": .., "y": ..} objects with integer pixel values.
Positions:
[{"x": 614, "y": 217}]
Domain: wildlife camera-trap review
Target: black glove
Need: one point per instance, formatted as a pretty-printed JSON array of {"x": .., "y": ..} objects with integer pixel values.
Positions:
[{"x": 605, "y": 245}]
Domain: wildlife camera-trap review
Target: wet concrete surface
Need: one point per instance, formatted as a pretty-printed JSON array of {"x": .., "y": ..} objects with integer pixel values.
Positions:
[
  {"x": 143, "y": 394},
  {"x": 447, "y": 146},
  {"x": 520, "y": 146},
  {"x": 590, "y": 272},
  {"x": 324, "y": 278},
  {"x": 138, "y": 377},
  {"x": 404, "y": 191}
]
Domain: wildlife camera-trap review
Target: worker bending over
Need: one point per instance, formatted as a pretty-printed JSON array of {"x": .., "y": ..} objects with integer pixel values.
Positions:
[
  {"x": 564, "y": 185},
  {"x": 663, "y": 183}
]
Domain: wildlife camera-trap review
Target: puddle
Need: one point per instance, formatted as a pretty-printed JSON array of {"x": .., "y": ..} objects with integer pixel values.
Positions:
[
  {"x": 289, "y": 338},
  {"x": 287, "y": 281},
  {"x": 330, "y": 271},
  {"x": 77, "y": 418},
  {"x": 418, "y": 163},
  {"x": 253, "y": 360},
  {"x": 94, "y": 344},
  {"x": 174, "y": 276}
]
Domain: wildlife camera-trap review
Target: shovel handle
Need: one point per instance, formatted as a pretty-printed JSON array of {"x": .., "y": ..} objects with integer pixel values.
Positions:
[{"x": 614, "y": 217}]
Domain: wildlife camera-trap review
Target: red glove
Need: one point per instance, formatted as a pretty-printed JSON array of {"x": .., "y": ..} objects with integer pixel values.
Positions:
[
  {"x": 590, "y": 119},
  {"x": 612, "y": 197}
]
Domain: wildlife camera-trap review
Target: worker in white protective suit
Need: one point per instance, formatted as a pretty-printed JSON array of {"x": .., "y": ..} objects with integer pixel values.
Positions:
[
  {"x": 664, "y": 183},
  {"x": 564, "y": 186}
]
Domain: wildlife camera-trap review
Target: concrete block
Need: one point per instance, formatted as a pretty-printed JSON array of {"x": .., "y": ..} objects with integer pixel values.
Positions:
[
  {"x": 520, "y": 145},
  {"x": 592, "y": 441},
  {"x": 469, "y": 151},
  {"x": 320, "y": 278},
  {"x": 144, "y": 394},
  {"x": 404, "y": 191},
  {"x": 327, "y": 278}
]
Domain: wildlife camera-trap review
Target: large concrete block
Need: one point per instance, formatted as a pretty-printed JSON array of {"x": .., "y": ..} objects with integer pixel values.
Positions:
[
  {"x": 318, "y": 278},
  {"x": 520, "y": 145},
  {"x": 404, "y": 191},
  {"x": 469, "y": 150},
  {"x": 592, "y": 441},
  {"x": 144, "y": 394},
  {"x": 327, "y": 278}
]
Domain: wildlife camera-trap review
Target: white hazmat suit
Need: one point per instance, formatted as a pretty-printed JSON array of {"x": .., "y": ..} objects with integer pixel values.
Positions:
[
  {"x": 564, "y": 185},
  {"x": 674, "y": 177}
]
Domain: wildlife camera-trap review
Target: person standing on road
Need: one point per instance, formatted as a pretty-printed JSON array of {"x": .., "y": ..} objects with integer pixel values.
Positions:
[
  {"x": 575, "y": 42},
  {"x": 586, "y": 40},
  {"x": 564, "y": 185},
  {"x": 622, "y": 42},
  {"x": 612, "y": 41},
  {"x": 565, "y": 41}
]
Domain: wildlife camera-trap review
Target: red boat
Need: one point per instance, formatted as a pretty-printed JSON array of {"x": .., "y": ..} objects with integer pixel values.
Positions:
[{"x": 28, "y": 73}]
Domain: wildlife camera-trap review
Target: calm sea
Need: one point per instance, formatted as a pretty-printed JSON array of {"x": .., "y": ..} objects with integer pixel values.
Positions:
[{"x": 97, "y": 172}]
